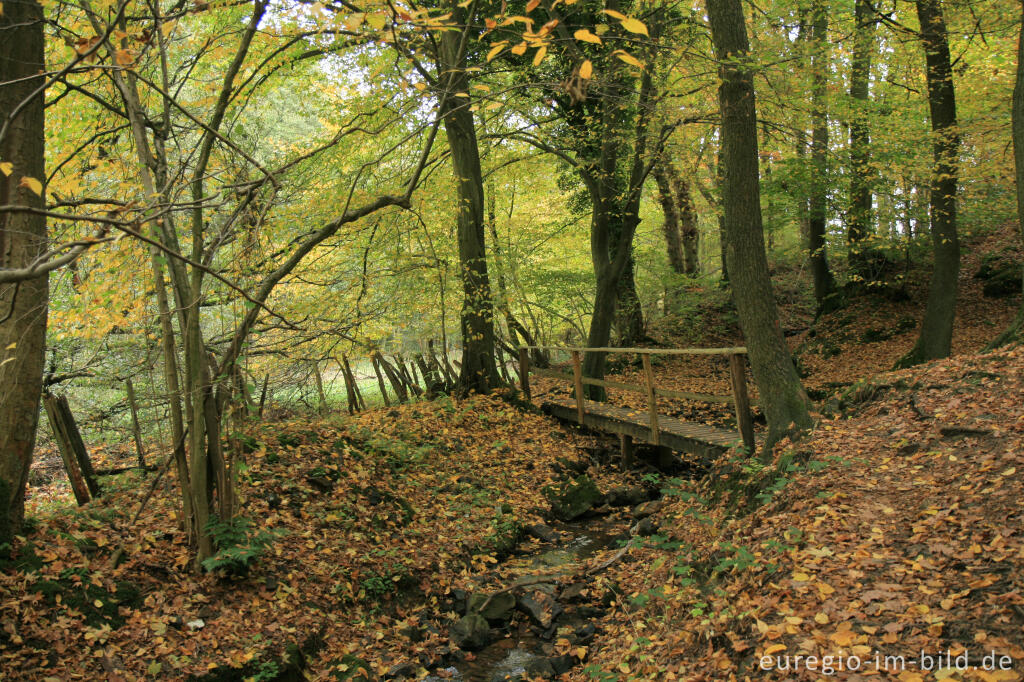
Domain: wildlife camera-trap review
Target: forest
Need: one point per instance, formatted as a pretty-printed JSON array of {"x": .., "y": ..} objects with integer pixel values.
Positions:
[{"x": 541, "y": 339}]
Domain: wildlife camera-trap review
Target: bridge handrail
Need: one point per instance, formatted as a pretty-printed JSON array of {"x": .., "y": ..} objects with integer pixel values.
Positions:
[
  {"x": 737, "y": 376},
  {"x": 730, "y": 350}
]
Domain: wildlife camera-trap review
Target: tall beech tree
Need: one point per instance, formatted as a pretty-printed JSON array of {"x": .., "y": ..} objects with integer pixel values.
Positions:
[
  {"x": 817, "y": 216},
  {"x": 859, "y": 219},
  {"x": 783, "y": 399},
  {"x": 23, "y": 296},
  {"x": 936, "y": 334}
]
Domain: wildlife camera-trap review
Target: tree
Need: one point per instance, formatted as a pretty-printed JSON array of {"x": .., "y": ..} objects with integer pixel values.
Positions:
[
  {"x": 23, "y": 303},
  {"x": 860, "y": 214},
  {"x": 783, "y": 399},
  {"x": 479, "y": 371},
  {"x": 936, "y": 335},
  {"x": 824, "y": 282},
  {"x": 1016, "y": 328}
]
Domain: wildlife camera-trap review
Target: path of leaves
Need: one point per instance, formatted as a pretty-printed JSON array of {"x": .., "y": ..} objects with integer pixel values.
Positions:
[{"x": 900, "y": 531}]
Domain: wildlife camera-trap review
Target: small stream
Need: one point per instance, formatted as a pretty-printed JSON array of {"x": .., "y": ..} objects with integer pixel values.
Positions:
[{"x": 522, "y": 645}]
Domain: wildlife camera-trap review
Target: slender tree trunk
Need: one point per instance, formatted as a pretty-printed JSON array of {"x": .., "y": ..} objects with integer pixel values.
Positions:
[
  {"x": 824, "y": 283},
  {"x": 936, "y": 336},
  {"x": 670, "y": 225},
  {"x": 1015, "y": 332},
  {"x": 782, "y": 397},
  {"x": 479, "y": 372},
  {"x": 860, "y": 218},
  {"x": 23, "y": 306},
  {"x": 688, "y": 229}
]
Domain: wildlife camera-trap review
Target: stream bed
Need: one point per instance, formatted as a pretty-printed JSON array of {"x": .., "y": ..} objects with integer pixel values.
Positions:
[{"x": 523, "y": 647}]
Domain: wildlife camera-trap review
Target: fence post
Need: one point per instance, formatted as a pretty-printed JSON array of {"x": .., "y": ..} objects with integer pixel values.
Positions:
[
  {"x": 577, "y": 374},
  {"x": 524, "y": 371},
  {"x": 652, "y": 403},
  {"x": 744, "y": 420}
]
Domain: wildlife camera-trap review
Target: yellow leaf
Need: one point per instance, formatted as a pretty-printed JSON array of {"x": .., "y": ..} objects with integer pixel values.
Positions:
[
  {"x": 354, "y": 21},
  {"x": 32, "y": 184},
  {"x": 774, "y": 648},
  {"x": 6, "y": 167},
  {"x": 821, "y": 618},
  {"x": 542, "y": 52},
  {"x": 586, "y": 69},
  {"x": 635, "y": 26},
  {"x": 628, "y": 58},
  {"x": 496, "y": 50},
  {"x": 519, "y": 49},
  {"x": 420, "y": 86},
  {"x": 624, "y": 667},
  {"x": 532, "y": 5},
  {"x": 462, "y": 94},
  {"x": 612, "y": 13},
  {"x": 586, "y": 36},
  {"x": 377, "y": 20},
  {"x": 801, "y": 577}
]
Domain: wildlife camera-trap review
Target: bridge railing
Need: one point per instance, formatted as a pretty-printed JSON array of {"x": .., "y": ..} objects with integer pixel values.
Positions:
[{"x": 737, "y": 378}]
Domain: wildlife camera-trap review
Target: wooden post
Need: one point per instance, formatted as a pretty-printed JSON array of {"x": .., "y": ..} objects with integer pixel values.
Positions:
[
  {"x": 744, "y": 420},
  {"x": 136, "y": 431},
  {"x": 64, "y": 445},
  {"x": 355, "y": 384},
  {"x": 524, "y": 371},
  {"x": 626, "y": 445},
  {"x": 577, "y": 375},
  {"x": 380, "y": 381},
  {"x": 652, "y": 402}
]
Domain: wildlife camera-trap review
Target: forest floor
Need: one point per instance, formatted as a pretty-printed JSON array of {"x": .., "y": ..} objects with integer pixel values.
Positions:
[{"x": 893, "y": 530}]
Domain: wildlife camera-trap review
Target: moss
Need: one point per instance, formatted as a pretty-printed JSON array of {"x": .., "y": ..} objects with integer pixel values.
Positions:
[{"x": 96, "y": 604}]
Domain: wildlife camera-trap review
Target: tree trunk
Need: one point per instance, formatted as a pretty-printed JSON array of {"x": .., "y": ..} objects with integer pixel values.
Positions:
[
  {"x": 1015, "y": 332},
  {"x": 782, "y": 397},
  {"x": 936, "y": 336},
  {"x": 479, "y": 372},
  {"x": 23, "y": 306},
  {"x": 824, "y": 283},
  {"x": 670, "y": 225},
  {"x": 630, "y": 321},
  {"x": 860, "y": 218}
]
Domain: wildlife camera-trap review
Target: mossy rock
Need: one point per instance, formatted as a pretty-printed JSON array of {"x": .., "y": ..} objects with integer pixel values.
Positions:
[
  {"x": 573, "y": 499},
  {"x": 1006, "y": 282},
  {"x": 876, "y": 335}
]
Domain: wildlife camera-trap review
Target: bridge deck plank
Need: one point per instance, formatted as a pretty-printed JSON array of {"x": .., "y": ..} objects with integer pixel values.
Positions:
[{"x": 698, "y": 439}]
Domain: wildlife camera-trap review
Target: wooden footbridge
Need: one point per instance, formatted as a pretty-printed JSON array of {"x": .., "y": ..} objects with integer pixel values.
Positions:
[{"x": 648, "y": 426}]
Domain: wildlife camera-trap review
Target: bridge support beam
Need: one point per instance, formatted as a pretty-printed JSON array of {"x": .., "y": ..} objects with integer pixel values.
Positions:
[{"x": 626, "y": 445}]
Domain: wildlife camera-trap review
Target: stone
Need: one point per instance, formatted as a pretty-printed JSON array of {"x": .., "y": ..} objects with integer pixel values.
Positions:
[
  {"x": 573, "y": 593},
  {"x": 542, "y": 532},
  {"x": 471, "y": 632},
  {"x": 562, "y": 664},
  {"x": 493, "y": 607},
  {"x": 645, "y": 528},
  {"x": 540, "y": 606},
  {"x": 645, "y": 509},
  {"x": 400, "y": 671},
  {"x": 626, "y": 496},
  {"x": 573, "y": 500},
  {"x": 540, "y": 667},
  {"x": 584, "y": 633}
]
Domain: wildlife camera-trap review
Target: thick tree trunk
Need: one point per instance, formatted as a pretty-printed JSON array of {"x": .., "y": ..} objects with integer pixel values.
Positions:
[
  {"x": 783, "y": 399},
  {"x": 824, "y": 283},
  {"x": 936, "y": 336},
  {"x": 630, "y": 318},
  {"x": 1015, "y": 332},
  {"x": 479, "y": 372},
  {"x": 860, "y": 216},
  {"x": 23, "y": 306}
]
